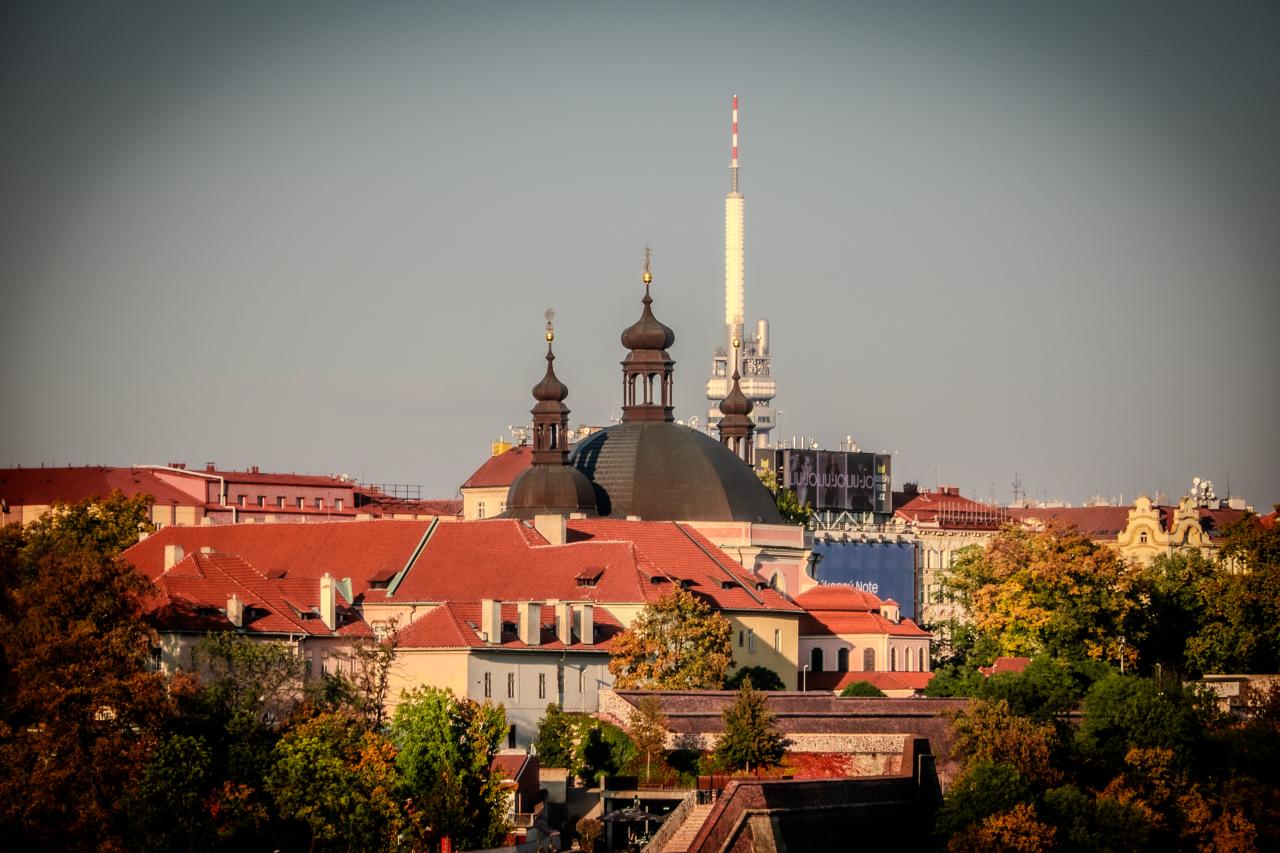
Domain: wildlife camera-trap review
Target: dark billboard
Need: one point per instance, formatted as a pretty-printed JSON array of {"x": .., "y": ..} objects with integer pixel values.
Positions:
[
  {"x": 836, "y": 480},
  {"x": 884, "y": 569}
]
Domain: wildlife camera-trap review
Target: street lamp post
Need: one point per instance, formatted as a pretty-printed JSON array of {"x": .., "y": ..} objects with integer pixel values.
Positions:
[{"x": 804, "y": 679}]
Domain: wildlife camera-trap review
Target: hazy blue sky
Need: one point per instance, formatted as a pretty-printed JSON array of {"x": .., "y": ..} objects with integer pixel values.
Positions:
[{"x": 1009, "y": 237}]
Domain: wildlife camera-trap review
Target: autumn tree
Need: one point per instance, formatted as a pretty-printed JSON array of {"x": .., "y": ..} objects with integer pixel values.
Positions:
[
  {"x": 74, "y": 677},
  {"x": 446, "y": 745},
  {"x": 647, "y": 726},
  {"x": 675, "y": 643},
  {"x": 1051, "y": 591},
  {"x": 338, "y": 779},
  {"x": 751, "y": 737}
]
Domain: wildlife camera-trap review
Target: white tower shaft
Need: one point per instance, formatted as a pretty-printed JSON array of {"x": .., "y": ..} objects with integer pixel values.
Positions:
[{"x": 734, "y": 255}]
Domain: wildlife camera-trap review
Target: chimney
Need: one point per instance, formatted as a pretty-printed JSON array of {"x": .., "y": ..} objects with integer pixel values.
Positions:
[
  {"x": 586, "y": 624},
  {"x": 491, "y": 621},
  {"x": 564, "y": 623},
  {"x": 235, "y": 611},
  {"x": 553, "y": 528},
  {"x": 173, "y": 555},
  {"x": 328, "y": 602},
  {"x": 206, "y": 549},
  {"x": 530, "y": 622},
  {"x": 209, "y": 466}
]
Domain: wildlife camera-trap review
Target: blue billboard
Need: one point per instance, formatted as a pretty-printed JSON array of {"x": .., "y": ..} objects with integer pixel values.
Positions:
[{"x": 884, "y": 569}]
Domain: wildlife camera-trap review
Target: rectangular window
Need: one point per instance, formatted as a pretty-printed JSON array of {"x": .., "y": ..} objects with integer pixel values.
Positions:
[
  {"x": 319, "y": 503},
  {"x": 488, "y": 685},
  {"x": 542, "y": 685},
  {"x": 280, "y": 501},
  {"x": 262, "y": 500},
  {"x": 300, "y": 500},
  {"x": 777, "y": 639},
  {"x": 337, "y": 504},
  {"x": 511, "y": 685},
  {"x": 751, "y": 641},
  {"x": 240, "y": 499},
  {"x": 582, "y": 680},
  {"x": 741, "y": 636},
  {"x": 480, "y": 509}
]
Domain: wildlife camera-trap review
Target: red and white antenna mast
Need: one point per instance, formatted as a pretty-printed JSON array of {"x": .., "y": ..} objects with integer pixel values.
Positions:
[{"x": 733, "y": 162}]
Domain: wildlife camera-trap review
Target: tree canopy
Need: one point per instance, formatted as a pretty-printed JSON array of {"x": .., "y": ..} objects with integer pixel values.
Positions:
[
  {"x": 751, "y": 737},
  {"x": 675, "y": 643}
]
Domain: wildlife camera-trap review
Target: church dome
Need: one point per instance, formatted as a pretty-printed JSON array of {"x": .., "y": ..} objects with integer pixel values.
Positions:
[
  {"x": 648, "y": 333},
  {"x": 662, "y": 471},
  {"x": 550, "y": 489}
]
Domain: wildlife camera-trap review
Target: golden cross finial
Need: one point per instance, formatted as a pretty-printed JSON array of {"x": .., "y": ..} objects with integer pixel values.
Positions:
[
  {"x": 550, "y": 314},
  {"x": 648, "y": 276}
]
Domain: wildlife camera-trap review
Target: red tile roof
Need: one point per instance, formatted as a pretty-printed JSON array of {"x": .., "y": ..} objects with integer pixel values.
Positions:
[
  {"x": 886, "y": 681},
  {"x": 952, "y": 510},
  {"x": 841, "y": 609},
  {"x": 837, "y": 596},
  {"x": 501, "y": 470},
  {"x": 604, "y": 562},
  {"x": 360, "y": 550},
  {"x": 192, "y": 596},
  {"x": 457, "y": 625},
  {"x": 1002, "y": 665},
  {"x": 44, "y": 486},
  {"x": 681, "y": 551},
  {"x": 275, "y": 477}
]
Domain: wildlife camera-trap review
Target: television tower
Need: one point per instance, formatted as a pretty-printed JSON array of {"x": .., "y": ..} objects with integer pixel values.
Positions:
[{"x": 753, "y": 357}]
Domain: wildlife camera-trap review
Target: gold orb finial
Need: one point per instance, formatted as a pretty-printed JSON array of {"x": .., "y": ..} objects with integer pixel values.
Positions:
[
  {"x": 551, "y": 331},
  {"x": 648, "y": 276},
  {"x": 737, "y": 342}
]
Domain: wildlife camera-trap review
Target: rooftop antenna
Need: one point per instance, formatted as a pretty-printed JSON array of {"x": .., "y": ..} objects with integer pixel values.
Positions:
[{"x": 1018, "y": 492}]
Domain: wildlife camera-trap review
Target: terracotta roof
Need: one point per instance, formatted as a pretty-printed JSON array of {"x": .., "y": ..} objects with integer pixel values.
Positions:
[
  {"x": 833, "y": 623},
  {"x": 836, "y": 609},
  {"x": 952, "y": 510},
  {"x": 886, "y": 681},
  {"x": 1269, "y": 520},
  {"x": 604, "y": 561},
  {"x": 251, "y": 476},
  {"x": 681, "y": 551},
  {"x": 360, "y": 550},
  {"x": 1096, "y": 522},
  {"x": 192, "y": 596},
  {"x": 509, "y": 764},
  {"x": 44, "y": 486},
  {"x": 501, "y": 470},
  {"x": 456, "y": 625},
  {"x": 1003, "y": 665},
  {"x": 837, "y": 596}
]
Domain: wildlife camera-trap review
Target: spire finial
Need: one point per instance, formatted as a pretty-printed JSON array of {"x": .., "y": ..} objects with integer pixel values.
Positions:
[
  {"x": 648, "y": 276},
  {"x": 550, "y": 314}
]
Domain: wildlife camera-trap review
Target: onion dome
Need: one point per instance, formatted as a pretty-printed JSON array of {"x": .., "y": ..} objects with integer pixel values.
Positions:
[
  {"x": 736, "y": 403},
  {"x": 648, "y": 333},
  {"x": 550, "y": 389}
]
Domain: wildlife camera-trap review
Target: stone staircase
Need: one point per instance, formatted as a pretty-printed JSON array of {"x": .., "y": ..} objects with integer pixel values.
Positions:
[{"x": 679, "y": 843}]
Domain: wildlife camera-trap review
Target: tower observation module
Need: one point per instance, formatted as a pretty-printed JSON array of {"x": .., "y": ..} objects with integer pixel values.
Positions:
[{"x": 754, "y": 360}]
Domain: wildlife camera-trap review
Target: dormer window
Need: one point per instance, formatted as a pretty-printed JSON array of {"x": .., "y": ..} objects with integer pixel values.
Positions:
[{"x": 589, "y": 577}]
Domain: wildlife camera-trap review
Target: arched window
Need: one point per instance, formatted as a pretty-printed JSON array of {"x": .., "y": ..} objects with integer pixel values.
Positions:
[
  {"x": 921, "y": 658},
  {"x": 868, "y": 660},
  {"x": 842, "y": 660},
  {"x": 893, "y": 660},
  {"x": 815, "y": 660},
  {"x": 1142, "y": 537}
]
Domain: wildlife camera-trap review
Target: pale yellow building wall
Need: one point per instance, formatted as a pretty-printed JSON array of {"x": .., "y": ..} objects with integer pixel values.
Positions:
[
  {"x": 757, "y": 648},
  {"x": 492, "y": 500}
]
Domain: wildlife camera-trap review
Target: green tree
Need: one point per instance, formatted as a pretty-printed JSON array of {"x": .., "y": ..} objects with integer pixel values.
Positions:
[
  {"x": 1052, "y": 591},
  {"x": 751, "y": 737},
  {"x": 1240, "y": 621},
  {"x": 648, "y": 729},
  {"x": 761, "y": 677},
  {"x": 861, "y": 688},
  {"x": 337, "y": 778},
  {"x": 1123, "y": 711},
  {"x": 555, "y": 743},
  {"x": 169, "y": 808},
  {"x": 446, "y": 745},
  {"x": 603, "y": 748},
  {"x": 675, "y": 643},
  {"x": 1171, "y": 591},
  {"x": 74, "y": 677}
]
